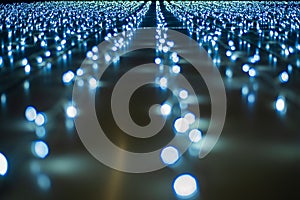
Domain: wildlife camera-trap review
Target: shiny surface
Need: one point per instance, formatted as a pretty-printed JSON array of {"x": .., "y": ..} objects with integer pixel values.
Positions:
[{"x": 258, "y": 154}]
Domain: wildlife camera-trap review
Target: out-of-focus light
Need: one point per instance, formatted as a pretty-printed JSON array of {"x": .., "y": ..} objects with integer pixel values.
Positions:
[
  {"x": 252, "y": 72},
  {"x": 176, "y": 69},
  {"x": 181, "y": 125},
  {"x": 39, "y": 59},
  {"x": 183, "y": 94},
  {"x": 40, "y": 119},
  {"x": 3, "y": 165},
  {"x": 229, "y": 73},
  {"x": 284, "y": 77},
  {"x": 79, "y": 72},
  {"x": 163, "y": 82},
  {"x": 251, "y": 98},
  {"x": 190, "y": 117},
  {"x": 165, "y": 109},
  {"x": 195, "y": 135},
  {"x": 92, "y": 83},
  {"x": 43, "y": 182},
  {"x": 245, "y": 68},
  {"x": 68, "y": 77},
  {"x": 30, "y": 113},
  {"x": 47, "y": 53},
  {"x": 26, "y": 85},
  {"x": 40, "y": 149},
  {"x": 185, "y": 186},
  {"x": 245, "y": 90},
  {"x": 40, "y": 131},
  {"x": 71, "y": 111},
  {"x": 3, "y": 98},
  {"x": 157, "y": 61},
  {"x": 27, "y": 68},
  {"x": 280, "y": 104},
  {"x": 169, "y": 155},
  {"x": 1, "y": 61},
  {"x": 24, "y": 62}
]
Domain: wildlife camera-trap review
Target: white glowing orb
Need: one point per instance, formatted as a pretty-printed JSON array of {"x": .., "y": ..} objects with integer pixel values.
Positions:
[
  {"x": 169, "y": 155},
  {"x": 47, "y": 53},
  {"x": 24, "y": 62},
  {"x": 163, "y": 82},
  {"x": 280, "y": 104},
  {"x": 27, "y": 68},
  {"x": 183, "y": 94},
  {"x": 157, "y": 61},
  {"x": 3, "y": 165},
  {"x": 40, "y": 149},
  {"x": 39, "y": 59},
  {"x": 195, "y": 135},
  {"x": 181, "y": 125},
  {"x": 79, "y": 72},
  {"x": 176, "y": 69},
  {"x": 68, "y": 77},
  {"x": 284, "y": 77},
  {"x": 165, "y": 109},
  {"x": 40, "y": 119},
  {"x": 245, "y": 68},
  {"x": 190, "y": 117},
  {"x": 229, "y": 73},
  {"x": 252, "y": 72},
  {"x": 93, "y": 83},
  {"x": 185, "y": 185},
  {"x": 30, "y": 113},
  {"x": 71, "y": 111}
]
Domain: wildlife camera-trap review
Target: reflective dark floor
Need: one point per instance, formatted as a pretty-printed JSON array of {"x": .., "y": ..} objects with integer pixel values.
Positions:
[{"x": 254, "y": 45}]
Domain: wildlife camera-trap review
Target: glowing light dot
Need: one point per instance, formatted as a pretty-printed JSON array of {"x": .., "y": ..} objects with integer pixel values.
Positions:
[
  {"x": 195, "y": 135},
  {"x": 229, "y": 73},
  {"x": 3, "y": 165},
  {"x": 245, "y": 68},
  {"x": 228, "y": 53},
  {"x": 251, "y": 98},
  {"x": 280, "y": 104},
  {"x": 157, "y": 61},
  {"x": 27, "y": 68},
  {"x": 68, "y": 77},
  {"x": 230, "y": 43},
  {"x": 181, "y": 125},
  {"x": 89, "y": 54},
  {"x": 252, "y": 72},
  {"x": 165, "y": 109},
  {"x": 40, "y": 119},
  {"x": 30, "y": 113},
  {"x": 79, "y": 72},
  {"x": 107, "y": 57},
  {"x": 39, "y": 59},
  {"x": 183, "y": 94},
  {"x": 169, "y": 155},
  {"x": 93, "y": 83},
  {"x": 40, "y": 149},
  {"x": 43, "y": 182},
  {"x": 190, "y": 117},
  {"x": 284, "y": 77},
  {"x": 163, "y": 82},
  {"x": 24, "y": 62},
  {"x": 245, "y": 90},
  {"x": 47, "y": 53},
  {"x": 71, "y": 111},
  {"x": 185, "y": 186},
  {"x": 176, "y": 69}
]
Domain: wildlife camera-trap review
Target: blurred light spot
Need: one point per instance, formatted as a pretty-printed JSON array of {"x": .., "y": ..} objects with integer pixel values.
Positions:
[
  {"x": 30, "y": 113},
  {"x": 43, "y": 182},
  {"x": 40, "y": 149},
  {"x": 190, "y": 117},
  {"x": 245, "y": 68},
  {"x": 40, "y": 131},
  {"x": 71, "y": 111},
  {"x": 251, "y": 98},
  {"x": 157, "y": 61},
  {"x": 27, "y": 69},
  {"x": 169, "y": 155},
  {"x": 40, "y": 119},
  {"x": 185, "y": 186},
  {"x": 284, "y": 77},
  {"x": 165, "y": 109},
  {"x": 3, "y": 165},
  {"x": 176, "y": 69},
  {"x": 183, "y": 94},
  {"x": 181, "y": 125},
  {"x": 252, "y": 72},
  {"x": 68, "y": 77},
  {"x": 280, "y": 104},
  {"x": 195, "y": 135},
  {"x": 92, "y": 83}
]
